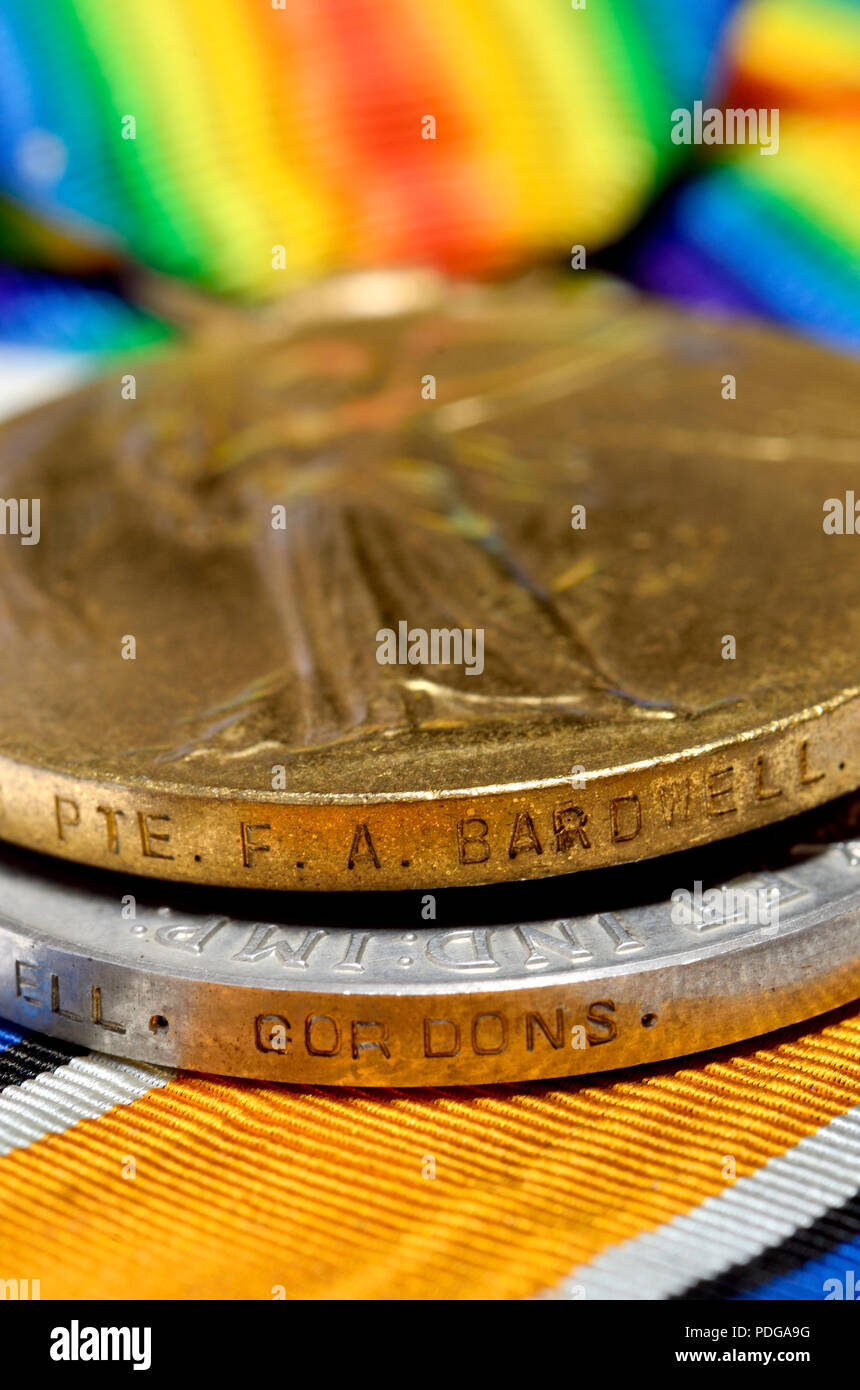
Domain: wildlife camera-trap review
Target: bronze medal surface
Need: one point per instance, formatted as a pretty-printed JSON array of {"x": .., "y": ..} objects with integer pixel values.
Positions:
[{"x": 645, "y": 639}]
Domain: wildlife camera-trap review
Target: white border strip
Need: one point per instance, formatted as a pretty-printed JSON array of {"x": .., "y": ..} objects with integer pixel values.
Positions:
[
  {"x": 81, "y": 1089},
  {"x": 789, "y": 1192}
]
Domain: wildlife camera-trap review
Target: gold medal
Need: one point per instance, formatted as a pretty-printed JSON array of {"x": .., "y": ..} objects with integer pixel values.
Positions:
[{"x": 526, "y": 584}]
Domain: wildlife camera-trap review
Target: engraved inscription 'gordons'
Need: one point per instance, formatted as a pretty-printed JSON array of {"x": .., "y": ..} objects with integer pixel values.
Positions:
[{"x": 485, "y": 1033}]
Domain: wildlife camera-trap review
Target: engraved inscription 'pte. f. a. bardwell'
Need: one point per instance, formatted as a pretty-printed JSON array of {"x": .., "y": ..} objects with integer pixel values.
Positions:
[{"x": 191, "y": 684}]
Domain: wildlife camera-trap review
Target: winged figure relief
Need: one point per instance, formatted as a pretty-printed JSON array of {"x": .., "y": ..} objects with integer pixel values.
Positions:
[{"x": 366, "y": 500}]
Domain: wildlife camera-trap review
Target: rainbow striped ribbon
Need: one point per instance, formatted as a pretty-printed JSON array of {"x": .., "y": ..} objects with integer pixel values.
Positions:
[
  {"x": 198, "y": 137},
  {"x": 779, "y": 235}
]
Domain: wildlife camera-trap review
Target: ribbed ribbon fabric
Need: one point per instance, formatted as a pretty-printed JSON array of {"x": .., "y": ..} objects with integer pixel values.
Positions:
[{"x": 641, "y": 1185}]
